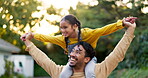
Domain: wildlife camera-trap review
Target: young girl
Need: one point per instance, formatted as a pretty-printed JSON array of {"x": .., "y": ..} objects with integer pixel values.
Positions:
[{"x": 72, "y": 33}]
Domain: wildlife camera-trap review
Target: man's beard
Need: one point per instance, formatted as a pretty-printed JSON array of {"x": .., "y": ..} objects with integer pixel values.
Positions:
[{"x": 72, "y": 65}]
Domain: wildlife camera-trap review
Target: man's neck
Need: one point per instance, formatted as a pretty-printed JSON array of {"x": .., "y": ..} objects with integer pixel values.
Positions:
[{"x": 78, "y": 69}]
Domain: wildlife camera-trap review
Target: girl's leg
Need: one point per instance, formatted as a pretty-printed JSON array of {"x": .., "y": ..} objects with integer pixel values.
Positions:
[
  {"x": 89, "y": 69},
  {"x": 66, "y": 72}
]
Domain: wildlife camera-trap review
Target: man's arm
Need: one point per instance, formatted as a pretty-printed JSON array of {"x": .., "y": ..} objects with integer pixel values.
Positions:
[
  {"x": 117, "y": 55},
  {"x": 42, "y": 59}
]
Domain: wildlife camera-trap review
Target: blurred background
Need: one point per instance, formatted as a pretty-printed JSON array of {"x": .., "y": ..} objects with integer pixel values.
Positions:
[{"x": 43, "y": 16}]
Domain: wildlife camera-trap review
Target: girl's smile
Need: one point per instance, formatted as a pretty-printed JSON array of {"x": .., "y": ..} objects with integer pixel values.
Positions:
[{"x": 68, "y": 30}]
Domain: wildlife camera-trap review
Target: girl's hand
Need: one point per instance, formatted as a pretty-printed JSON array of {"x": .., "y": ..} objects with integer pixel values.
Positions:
[
  {"x": 23, "y": 37},
  {"x": 128, "y": 20},
  {"x": 129, "y": 25},
  {"x": 28, "y": 36}
]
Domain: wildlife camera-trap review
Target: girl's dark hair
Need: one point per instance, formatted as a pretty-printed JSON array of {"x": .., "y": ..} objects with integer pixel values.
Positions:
[{"x": 71, "y": 19}]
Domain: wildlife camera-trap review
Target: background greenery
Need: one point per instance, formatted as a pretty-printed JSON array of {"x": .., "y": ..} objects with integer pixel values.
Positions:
[{"x": 135, "y": 64}]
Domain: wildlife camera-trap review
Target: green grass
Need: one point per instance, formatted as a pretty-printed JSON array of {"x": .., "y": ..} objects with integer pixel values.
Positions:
[{"x": 130, "y": 73}]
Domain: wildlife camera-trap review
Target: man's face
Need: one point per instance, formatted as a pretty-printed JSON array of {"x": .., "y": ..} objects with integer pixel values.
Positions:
[{"x": 77, "y": 56}]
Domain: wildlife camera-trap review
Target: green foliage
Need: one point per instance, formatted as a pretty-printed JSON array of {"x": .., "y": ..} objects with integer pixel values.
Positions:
[
  {"x": 16, "y": 13},
  {"x": 139, "y": 50},
  {"x": 130, "y": 73},
  {"x": 39, "y": 71},
  {"x": 56, "y": 53},
  {"x": 107, "y": 12},
  {"x": 51, "y": 10}
]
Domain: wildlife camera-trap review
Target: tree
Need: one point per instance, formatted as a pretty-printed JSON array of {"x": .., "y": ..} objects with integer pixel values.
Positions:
[{"x": 15, "y": 15}]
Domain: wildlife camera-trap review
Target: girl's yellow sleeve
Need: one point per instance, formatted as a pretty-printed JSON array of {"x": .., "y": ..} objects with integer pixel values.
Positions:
[
  {"x": 58, "y": 40},
  {"x": 108, "y": 29},
  {"x": 92, "y": 35}
]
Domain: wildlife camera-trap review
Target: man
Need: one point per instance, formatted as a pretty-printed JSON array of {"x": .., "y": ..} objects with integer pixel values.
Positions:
[{"x": 81, "y": 55}]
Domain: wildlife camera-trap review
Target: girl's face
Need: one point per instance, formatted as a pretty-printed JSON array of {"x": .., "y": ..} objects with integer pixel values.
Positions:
[{"x": 67, "y": 29}]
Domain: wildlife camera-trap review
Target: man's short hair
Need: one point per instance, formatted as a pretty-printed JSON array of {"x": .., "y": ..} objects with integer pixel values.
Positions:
[{"x": 89, "y": 50}]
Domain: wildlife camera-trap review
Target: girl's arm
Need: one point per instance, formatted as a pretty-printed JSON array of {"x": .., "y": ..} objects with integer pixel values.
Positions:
[
  {"x": 58, "y": 40},
  {"x": 92, "y": 35},
  {"x": 110, "y": 28}
]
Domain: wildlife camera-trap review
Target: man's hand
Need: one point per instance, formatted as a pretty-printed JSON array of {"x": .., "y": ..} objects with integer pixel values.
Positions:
[{"x": 131, "y": 28}]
